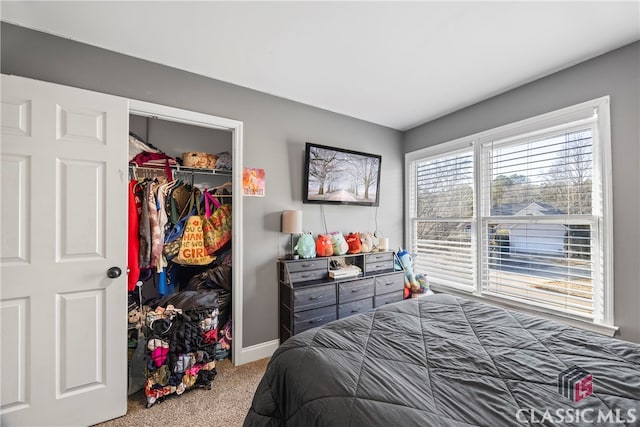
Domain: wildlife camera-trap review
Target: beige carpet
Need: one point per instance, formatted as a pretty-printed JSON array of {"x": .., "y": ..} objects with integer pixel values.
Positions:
[{"x": 226, "y": 404}]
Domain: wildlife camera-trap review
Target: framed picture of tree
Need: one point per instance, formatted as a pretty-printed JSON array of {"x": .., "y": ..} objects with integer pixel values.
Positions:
[{"x": 341, "y": 177}]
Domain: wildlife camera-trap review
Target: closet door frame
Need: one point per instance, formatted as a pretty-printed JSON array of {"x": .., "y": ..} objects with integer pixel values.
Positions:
[{"x": 163, "y": 112}]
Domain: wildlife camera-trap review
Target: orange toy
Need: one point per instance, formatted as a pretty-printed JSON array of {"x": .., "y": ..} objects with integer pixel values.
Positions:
[
  {"x": 323, "y": 245},
  {"x": 353, "y": 240}
]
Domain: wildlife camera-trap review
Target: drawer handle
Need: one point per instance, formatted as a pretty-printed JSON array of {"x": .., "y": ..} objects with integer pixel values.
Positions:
[
  {"x": 316, "y": 297},
  {"x": 356, "y": 290},
  {"x": 316, "y": 319},
  {"x": 388, "y": 284},
  {"x": 356, "y": 310},
  {"x": 306, "y": 275},
  {"x": 306, "y": 264}
]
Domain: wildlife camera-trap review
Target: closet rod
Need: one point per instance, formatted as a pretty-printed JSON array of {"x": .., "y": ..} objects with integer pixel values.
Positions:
[{"x": 185, "y": 169}]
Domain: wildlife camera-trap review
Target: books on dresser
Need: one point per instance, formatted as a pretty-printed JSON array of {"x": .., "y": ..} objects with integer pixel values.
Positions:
[{"x": 344, "y": 272}]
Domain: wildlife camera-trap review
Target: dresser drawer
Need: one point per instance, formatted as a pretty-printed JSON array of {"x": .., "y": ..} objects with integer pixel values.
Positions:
[
  {"x": 303, "y": 270},
  {"x": 379, "y": 262},
  {"x": 311, "y": 318},
  {"x": 354, "y": 307},
  {"x": 305, "y": 265},
  {"x": 378, "y": 257},
  {"x": 308, "y": 275},
  {"x": 313, "y": 297},
  {"x": 389, "y": 283},
  {"x": 379, "y": 267},
  {"x": 381, "y": 300},
  {"x": 356, "y": 289}
]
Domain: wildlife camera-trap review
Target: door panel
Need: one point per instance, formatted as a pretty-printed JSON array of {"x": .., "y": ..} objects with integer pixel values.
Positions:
[
  {"x": 64, "y": 194},
  {"x": 14, "y": 352},
  {"x": 80, "y": 125},
  {"x": 15, "y": 188},
  {"x": 16, "y": 116},
  {"x": 82, "y": 341},
  {"x": 81, "y": 213}
]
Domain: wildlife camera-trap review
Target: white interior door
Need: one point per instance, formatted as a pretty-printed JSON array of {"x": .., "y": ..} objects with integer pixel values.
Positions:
[{"x": 64, "y": 225}]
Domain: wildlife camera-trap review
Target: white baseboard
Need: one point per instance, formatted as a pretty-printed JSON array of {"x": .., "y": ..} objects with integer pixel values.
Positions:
[{"x": 256, "y": 352}]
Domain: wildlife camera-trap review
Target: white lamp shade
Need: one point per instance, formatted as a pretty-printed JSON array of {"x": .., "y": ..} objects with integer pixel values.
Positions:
[{"x": 292, "y": 222}]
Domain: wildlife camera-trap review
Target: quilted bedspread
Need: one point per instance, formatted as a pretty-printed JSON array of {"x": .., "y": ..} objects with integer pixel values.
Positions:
[{"x": 448, "y": 361}]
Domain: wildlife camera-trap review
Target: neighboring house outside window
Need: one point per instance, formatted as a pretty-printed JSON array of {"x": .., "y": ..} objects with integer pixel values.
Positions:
[
  {"x": 521, "y": 213},
  {"x": 525, "y": 238}
]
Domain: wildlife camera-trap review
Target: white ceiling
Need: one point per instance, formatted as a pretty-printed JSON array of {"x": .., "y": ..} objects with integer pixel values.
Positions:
[{"x": 398, "y": 64}]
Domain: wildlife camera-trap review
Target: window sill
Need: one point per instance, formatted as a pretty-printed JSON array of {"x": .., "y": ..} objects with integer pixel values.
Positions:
[{"x": 607, "y": 330}]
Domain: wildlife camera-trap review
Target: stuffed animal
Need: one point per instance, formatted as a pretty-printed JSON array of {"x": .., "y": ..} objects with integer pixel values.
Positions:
[
  {"x": 135, "y": 318},
  {"x": 209, "y": 323},
  {"x": 340, "y": 246},
  {"x": 410, "y": 282},
  {"x": 353, "y": 240},
  {"x": 171, "y": 311},
  {"x": 366, "y": 242},
  {"x": 306, "y": 247},
  {"x": 225, "y": 336},
  {"x": 159, "y": 351},
  {"x": 424, "y": 286},
  {"x": 323, "y": 245}
]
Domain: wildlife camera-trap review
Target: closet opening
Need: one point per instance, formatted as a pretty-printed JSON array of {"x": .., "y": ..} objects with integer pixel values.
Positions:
[{"x": 190, "y": 165}]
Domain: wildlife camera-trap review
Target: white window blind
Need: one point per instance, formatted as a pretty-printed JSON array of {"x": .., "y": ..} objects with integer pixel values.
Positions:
[
  {"x": 443, "y": 220},
  {"x": 538, "y": 223},
  {"x": 520, "y": 213}
]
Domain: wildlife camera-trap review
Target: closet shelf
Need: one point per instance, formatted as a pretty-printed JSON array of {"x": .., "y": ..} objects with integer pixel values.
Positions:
[{"x": 183, "y": 169}]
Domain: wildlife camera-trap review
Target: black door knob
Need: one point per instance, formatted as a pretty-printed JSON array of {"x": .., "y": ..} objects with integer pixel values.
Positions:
[{"x": 114, "y": 272}]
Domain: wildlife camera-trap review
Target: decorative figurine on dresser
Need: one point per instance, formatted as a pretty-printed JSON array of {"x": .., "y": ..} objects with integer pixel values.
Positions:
[{"x": 318, "y": 290}]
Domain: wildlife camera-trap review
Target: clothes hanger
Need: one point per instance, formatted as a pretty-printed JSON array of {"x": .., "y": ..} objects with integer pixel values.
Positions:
[
  {"x": 139, "y": 186},
  {"x": 166, "y": 187},
  {"x": 224, "y": 186},
  {"x": 218, "y": 191}
]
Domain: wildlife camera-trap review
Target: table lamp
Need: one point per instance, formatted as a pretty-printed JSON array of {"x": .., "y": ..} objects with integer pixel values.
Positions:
[{"x": 291, "y": 224}]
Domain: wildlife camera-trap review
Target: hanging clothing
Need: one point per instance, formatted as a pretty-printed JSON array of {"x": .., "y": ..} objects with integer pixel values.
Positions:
[
  {"x": 154, "y": 225},
  {"x": 163, "y": 288},
  {"x": 145, "y": 229},
  {"x": 163, "y": 219},
  {"x": 133, "y": 239},
  {"x": 153, "y": 159}
]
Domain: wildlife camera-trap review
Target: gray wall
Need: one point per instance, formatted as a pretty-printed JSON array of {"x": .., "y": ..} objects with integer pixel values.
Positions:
[
  {"x": 175, "y": 138},
  {"x": 275, "y": 131},
  {"x": 616, "y": 74}
]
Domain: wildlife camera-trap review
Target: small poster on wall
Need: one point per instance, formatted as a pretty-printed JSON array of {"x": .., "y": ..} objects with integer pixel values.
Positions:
[{"x": 253, "y": 182}]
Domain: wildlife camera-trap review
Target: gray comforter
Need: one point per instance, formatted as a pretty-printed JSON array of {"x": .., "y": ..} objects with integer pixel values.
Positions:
[{"x": 447, "y": 361}]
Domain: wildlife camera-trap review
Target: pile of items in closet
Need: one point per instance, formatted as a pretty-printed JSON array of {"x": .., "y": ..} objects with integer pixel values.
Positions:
[{"x": 179, "y": 279}]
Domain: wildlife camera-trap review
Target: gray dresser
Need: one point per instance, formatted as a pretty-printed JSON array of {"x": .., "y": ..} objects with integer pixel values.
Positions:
[{"x": 309, "y": 297}]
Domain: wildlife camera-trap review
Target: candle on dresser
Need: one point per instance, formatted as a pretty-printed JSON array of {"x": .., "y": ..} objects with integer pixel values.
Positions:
[{"x": 383, "y": 243}]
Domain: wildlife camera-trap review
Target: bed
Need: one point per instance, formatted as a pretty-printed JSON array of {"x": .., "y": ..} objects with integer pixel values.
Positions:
[{"x": 448, "y": 361}]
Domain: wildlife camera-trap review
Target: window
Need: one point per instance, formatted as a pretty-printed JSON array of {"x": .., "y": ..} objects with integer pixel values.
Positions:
[
  {"x": 519, "y": 213},
  {"x": 444, "y": 218}
]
